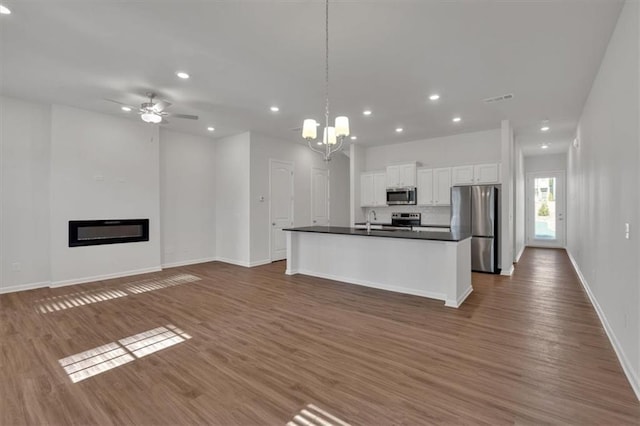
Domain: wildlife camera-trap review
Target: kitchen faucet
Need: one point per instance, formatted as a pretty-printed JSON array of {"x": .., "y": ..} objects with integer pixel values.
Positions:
[{"x": 369, "y": 219}]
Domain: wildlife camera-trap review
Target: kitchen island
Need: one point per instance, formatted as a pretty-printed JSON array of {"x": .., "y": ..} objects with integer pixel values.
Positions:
[{"x": 430, "y": 264}]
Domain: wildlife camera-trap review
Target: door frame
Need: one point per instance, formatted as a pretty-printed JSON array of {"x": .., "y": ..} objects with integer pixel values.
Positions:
[
  {"x": 291, "y": 205},
  {"x": 529, "y": 230},
  {"x": 328, "y": 193}
]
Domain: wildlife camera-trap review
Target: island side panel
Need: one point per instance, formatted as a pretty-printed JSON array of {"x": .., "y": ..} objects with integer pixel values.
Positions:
[
  {"x": 461, "y": 286},
  {"x": 419, "y": 267},
  {"x": 292, "y": 250}
]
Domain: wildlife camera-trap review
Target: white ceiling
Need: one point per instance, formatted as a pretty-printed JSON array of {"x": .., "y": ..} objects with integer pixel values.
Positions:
[{"x": 386, "y": 55}]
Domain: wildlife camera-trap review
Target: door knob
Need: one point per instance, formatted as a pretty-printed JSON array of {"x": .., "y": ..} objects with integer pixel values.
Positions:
[{"x": 274, "y": 224}]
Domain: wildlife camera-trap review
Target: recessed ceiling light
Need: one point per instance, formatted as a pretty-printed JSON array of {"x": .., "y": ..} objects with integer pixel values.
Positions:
[
  {"x": 182, "y": 75},
  {"x": 366, "y": 112},
  {"x": 456, "y": 119},
  {"x": 544, "y": 146},
  {"x": 434, "y": 97},
  {"x": 274, "y": 109},
  {"x": 126, "y": 109},
  {"x": 4, "y": 10},
  {"x": 545, "y": 128},
  {"x": 211, "y": 129},
  {"x": 354, "y": 137},
  {"x": 399, "y": 130}
]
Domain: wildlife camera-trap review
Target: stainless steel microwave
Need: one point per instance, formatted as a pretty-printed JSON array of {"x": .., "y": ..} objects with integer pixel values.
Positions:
[{"x": 397, "y": 196}]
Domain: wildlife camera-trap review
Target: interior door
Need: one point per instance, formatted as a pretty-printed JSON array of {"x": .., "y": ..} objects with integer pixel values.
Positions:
[
  {"x": 319, "y": 197},
  {"x": 280, "y": 206},
  {"x": 545, "y": 213}
]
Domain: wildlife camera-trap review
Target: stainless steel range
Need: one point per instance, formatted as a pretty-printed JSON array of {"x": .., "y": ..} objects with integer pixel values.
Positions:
[{"x": 405, "y": 220}]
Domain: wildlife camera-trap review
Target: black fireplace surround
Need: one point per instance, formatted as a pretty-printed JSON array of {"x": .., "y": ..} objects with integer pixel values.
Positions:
[{"x": 112, "y": 231}]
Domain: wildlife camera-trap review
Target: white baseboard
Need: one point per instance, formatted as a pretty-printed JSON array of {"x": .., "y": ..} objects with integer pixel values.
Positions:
[
  {"x": 104, "y": 277},
  {"x": 23, "y": 287},
  {"x": 627, "y": 367},
  {"x": 404, "y": 290},
  {"x": 233, "y": 261},
  {"x": 259, "y": 263},
  {"x": 242, "y": 262},
  {"x": 508, "y": 271},
  {"x": 188, "y": 262},
  {"x": 462, "y": 298}
]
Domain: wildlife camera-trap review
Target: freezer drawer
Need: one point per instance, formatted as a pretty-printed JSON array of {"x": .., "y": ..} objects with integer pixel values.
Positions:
[{"x": 483, "y": 255}]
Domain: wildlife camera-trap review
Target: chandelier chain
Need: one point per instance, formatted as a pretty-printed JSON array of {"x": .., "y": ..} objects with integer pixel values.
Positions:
[{"x": 326, "y": 69}]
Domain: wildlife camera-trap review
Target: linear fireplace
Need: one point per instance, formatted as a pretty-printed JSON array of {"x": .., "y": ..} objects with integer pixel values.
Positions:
[{"x": 97, "y": 232}]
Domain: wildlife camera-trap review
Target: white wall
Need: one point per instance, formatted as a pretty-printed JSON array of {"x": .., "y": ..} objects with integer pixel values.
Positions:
[
  {"x": 506, "y": 199},
  {"x": 519, "y": 207},
  {"x": 603, "y": 192},
  {"x": 264, "y": 148},
  {"x": 25, "y": 129},
  {"x": 102, "y": 167},
  {"x": 545, "y": 163},
  {"x": 356, "y": 167},
  {"x": 456, "y": 150},
  {"x": 187, "y": 198},
  {"x": 232, "y": 163}
]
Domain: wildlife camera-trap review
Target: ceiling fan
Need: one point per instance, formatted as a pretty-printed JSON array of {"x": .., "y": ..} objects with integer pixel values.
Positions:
[{"x": 154, "y": 111}]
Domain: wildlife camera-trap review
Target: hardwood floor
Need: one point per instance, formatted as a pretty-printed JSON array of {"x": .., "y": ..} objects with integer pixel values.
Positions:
[{"x": 253, "y": 346}]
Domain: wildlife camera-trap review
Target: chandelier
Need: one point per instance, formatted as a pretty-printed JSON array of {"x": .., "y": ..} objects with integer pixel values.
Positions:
[{"x": 333, "y": 136}]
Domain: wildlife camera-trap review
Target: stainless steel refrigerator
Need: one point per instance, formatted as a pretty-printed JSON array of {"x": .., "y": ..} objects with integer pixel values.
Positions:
[{"x": 476, "y": 208}]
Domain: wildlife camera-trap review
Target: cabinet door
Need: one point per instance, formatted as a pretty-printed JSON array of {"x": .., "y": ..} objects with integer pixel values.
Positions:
[
  {"x": 408, "y": 175},
  {"x": 462, "y": 175},
  {"x": 393, "y": 176},
  {"x": 366, "y": 190},
  {"x": 425, "y": 187},
  {"x": 380, "y": 189},
  {"x": 486, "y": 173},
  {"x": 442, "y": 186}
]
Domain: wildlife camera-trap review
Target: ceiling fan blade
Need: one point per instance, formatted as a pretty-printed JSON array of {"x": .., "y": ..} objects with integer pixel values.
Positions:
[
  {"x": 118, "y": 102},
  {"x": 187, "y": 116},
  {"x": 161, "y": 106}
]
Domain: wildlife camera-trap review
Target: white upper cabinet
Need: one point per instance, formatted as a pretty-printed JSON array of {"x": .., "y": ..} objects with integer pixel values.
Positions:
[
  {"x": 425, "y": 187},
  {"x": 401, "y": 175},
  {"x": 442, "y": 187},
  {"x": 476, "y": 174},
  {"x": 486, "y": 173},
  {"x": 462, "y": 175},
  {"x": 434, "y": 187},
  {"x": 373, "y": 191}
]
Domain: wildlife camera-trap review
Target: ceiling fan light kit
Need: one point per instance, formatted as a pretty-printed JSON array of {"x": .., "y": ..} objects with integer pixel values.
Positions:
[{"x": 151, "y": 117}]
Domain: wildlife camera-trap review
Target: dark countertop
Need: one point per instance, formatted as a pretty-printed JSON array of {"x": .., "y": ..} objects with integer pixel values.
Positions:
[
  {"x": 389, "y": 224},
  {"x": 453, "y": 235}
]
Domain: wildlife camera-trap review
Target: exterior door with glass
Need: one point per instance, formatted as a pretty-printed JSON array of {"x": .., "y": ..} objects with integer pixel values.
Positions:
[{"x": 545, "y": 214}]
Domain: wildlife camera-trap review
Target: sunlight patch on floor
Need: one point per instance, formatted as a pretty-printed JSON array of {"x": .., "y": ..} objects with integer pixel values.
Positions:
[
  {"x": 73, "y": 300},
  {"x": 314, "y": 416},
  {"x": 94, "y": 361}
]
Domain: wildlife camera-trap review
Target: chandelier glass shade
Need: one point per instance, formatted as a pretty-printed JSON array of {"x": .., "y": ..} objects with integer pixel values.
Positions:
[{"x": 332, "y": 136}]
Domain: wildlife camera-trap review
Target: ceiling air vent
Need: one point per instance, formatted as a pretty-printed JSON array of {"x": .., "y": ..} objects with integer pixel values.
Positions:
[{"x": 498, "y": 98}]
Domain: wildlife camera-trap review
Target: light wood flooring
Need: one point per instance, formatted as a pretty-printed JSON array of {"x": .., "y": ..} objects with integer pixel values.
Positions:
[{"x": 257, "y": 347}]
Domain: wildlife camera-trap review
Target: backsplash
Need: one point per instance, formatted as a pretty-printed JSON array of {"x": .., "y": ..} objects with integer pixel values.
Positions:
[{"x": 431, "y": 215}]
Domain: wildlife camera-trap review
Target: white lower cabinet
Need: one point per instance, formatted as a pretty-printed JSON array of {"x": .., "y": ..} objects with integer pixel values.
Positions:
[
  {"x": 434, "y": 187},
  {"x": 373, "y": 191}
]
